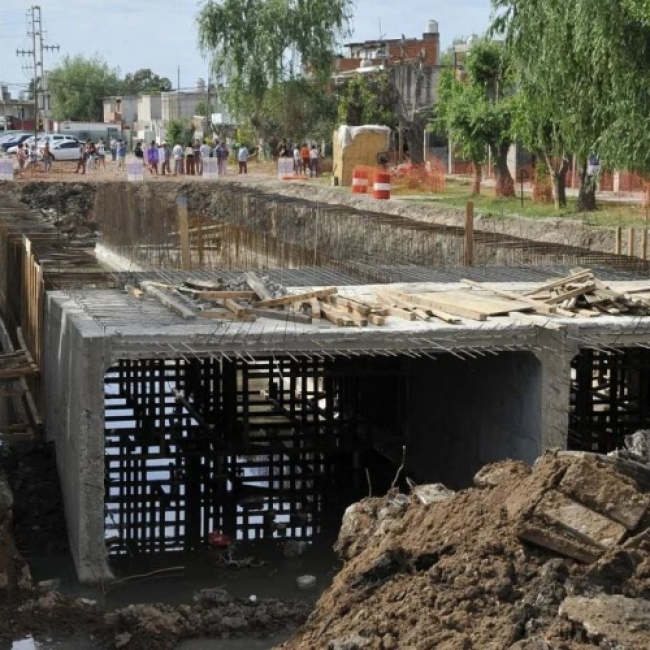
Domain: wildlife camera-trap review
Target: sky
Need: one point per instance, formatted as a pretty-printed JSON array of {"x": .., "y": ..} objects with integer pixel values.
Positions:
[{"x": 161, "y": 34}]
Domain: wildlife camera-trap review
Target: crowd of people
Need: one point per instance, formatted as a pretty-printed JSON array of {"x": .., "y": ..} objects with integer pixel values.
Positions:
[
  {"x": 306, "y": 160},
  {"x": 164, "y": 159}
]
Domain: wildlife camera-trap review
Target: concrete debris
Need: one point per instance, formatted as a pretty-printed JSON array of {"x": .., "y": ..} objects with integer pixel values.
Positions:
[
  {"x": 433, "y": 493},
  {"x": 612, "y": 620},
  {"x": 306, "y": 582},
  {"x": 554, "y": 557},
  {"x": 637, "y": 448}
]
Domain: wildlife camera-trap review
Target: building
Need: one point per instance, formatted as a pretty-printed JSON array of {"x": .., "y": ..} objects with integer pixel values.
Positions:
[
  {"x": 120, "y": 109},
  {"x": 15, "y": 113},
  {"x": 415, "y": 66}
]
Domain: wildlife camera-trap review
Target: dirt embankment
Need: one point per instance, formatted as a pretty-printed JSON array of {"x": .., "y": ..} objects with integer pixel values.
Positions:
[
  {"x": 70, "y": 205},
  {"x": 456, "y": 574}
]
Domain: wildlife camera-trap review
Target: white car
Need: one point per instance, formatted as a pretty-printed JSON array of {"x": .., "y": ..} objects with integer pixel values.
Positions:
[
  {"x": 65, "y": 150},
  {"x": 53, "y": 139}
]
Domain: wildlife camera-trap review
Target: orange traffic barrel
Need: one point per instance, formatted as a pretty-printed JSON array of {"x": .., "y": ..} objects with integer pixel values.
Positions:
[
  {"x": 381, "y": 186},
  {"x": 359, "y": 181}
]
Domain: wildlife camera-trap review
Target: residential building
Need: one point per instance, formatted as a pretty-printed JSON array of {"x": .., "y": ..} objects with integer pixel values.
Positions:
[
  {"x": 17, "y": 113},
  {"x": 181, "y": 105},
  {"x": 120, "y": 109},
  {"x": 414, "y": 65}
]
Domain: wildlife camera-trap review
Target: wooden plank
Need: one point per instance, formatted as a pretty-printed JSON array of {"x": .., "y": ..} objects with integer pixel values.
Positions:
[
  {"x": 223, "y": 295},
  {"x": 539, "y": 307},
  {"x": 575, "y": 277},
  {"x": 630, "y": 242},
  {"x": 183, "y": 228},
  {"x": 617, "y": 240},
  {"x": 445, "y": 303},
  {"x": 339, "y": 318},
  {"x": 375, "y": 319},
  {"x": 315, "y": 308},
  {"x": 277, "y": 314},
  {"x": 571, "y": 293},
  {"x": 298, "y": 297},
  {"x": 352, "y": 305},
  {"x": 256, "y": 284},
  {"x": 168, "y": 301},
  {"x": 234, "y": 307},
  {"x": 404, "y": 314},
  {"x": 131, "y": 290},
  {"x": 394, "y": 299}
]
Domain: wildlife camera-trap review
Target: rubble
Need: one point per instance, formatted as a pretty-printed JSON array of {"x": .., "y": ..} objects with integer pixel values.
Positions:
[{"x": 553, "y": 557}]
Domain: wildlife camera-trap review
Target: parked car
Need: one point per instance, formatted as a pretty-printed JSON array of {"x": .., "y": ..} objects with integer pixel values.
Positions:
[
  {"x": 42, "y": 139},
  {"x": 66, "y": 150},
  {"x": 14, "y": 140}
]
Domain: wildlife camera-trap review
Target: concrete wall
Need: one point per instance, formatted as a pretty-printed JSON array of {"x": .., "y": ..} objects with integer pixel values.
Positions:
[
  {"x": 360, "y": 147},
  {"x": 74, "y": 368},
  {"x": 464, "y": 414}
]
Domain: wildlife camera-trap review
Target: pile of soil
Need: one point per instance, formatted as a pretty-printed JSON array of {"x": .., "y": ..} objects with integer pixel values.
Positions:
[{"x": 455, "y": 574}]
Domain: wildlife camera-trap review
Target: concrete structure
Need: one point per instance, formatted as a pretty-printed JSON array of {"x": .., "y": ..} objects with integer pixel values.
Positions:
[
  {"x": 496, "y": 389},
  {"x": 359, "y": 145},
  {"x": 181, "y": 105}
]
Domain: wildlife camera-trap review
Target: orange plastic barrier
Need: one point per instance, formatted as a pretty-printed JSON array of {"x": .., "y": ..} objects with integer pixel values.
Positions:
[
  {"x": 381, "y": 185},
  {"x": 360, "y": 181}
]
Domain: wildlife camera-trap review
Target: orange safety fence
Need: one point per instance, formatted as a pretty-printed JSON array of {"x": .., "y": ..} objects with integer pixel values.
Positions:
[{"x": 427, "y": 177}]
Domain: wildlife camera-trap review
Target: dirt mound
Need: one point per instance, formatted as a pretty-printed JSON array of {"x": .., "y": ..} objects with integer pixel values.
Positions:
[{"x": 459, "y": 574}]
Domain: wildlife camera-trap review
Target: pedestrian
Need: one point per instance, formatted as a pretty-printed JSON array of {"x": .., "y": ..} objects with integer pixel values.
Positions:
[
  {"x": 81, "y": 161},
  {"x": 21, "y": 157},
  {"x": 198, "y": 162},
  {"x": 314, "y": 162},
  {"x": 32, "y": 157},
  {"x": 242, "y": 157},
  {"x": 152, "y": 158},
  {"x": 222, "y": 158},
  {"x": 177, "y": 153},
  {"x": 304, "y": 158},
  {"x": 120, "y": 155},
  {"x": 189, "y": 160},
  {"x": 165, "y": 155},
  {"x": 101, "y": 154},
  {"x": 113, "y": 144},
  {"x": 138, "y": 152},
  {"x": 47, "y": 158},
  {"x": 297, "y": 160},
  {"x": 206, "y": 153}
]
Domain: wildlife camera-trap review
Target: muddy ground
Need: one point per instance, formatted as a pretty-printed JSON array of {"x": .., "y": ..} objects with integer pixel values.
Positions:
[
  {"x": 32, "y": 525},
  {"x": 70, "y": 204}
]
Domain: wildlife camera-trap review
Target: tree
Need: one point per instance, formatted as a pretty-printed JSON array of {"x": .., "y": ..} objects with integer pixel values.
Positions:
[
  {"x": 180, "y": 132},
  {"x": 145, "y": 81},
  {"x": 369, "y": 99},
  {"x": 258, "y": 45},
  {"x": 583, "y": 69},
  {"x": 476, "y": 109},
  {"x": 78, "y": 86},
  {"x": 459, "y": 114},
  {"x": 201, "y": 109}
]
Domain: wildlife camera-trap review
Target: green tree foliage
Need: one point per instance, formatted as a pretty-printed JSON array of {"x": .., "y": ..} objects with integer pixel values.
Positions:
[
  {"x": 257, "y": 46},
  {"x": 582, "y": 67},
  {"x": 369, "y": 99},
  {"x": 180, "y": 132},
  {"x": 78, "y": 86},
  {"x": 145, "y": 81},
  {"x": 476, "y": 111}
]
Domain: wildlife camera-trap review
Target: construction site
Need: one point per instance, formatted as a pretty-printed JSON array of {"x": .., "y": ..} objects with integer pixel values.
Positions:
[{"x": 220, "y": 374}]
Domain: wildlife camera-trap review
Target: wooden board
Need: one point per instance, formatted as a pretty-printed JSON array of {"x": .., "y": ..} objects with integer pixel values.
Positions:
[
  {"x": 256, "y": 284},
  {"x": 571, "y": 293},
  {"x": 542, "y": 308},
  {"x": 277, "y": 314},
  {"x": 297, "y": 297},
  {"x": 560, "y": 282}
]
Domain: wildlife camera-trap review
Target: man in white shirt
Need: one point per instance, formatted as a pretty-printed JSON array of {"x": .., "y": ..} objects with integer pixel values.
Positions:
[
  {"x": 297, "y": 161},
  {"x": 206, "y": 153},
  {"x": 177, "y": 153}
]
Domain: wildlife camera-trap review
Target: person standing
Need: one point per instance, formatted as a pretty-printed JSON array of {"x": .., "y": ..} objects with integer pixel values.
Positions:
[
  {"x": 189, "y": 160},
  {"x": 21, "y": 157},
  {"x": 113, "y": 145},
  {"x": 198, "y": 163},
  {"x": 297, "y": 160},
  {"x": 205, "y": 153},
  {"x": 138, "y": 152},
  {"x": 81, "y": 161},
  {"x": 101, "y": 154},
  {"x": 304, "y": 158},
  {"x": 222, "y": 158},
  {"x": 120, "y": 154},
  {"x": 177, "y": 153},
  {"x": 242, "y": 157},
  {"x": 314, "y": 162},
  {"x": 152, "y": 158},
  {"x": 165, "y": 154},
  {"x": 47, "y": 158}
]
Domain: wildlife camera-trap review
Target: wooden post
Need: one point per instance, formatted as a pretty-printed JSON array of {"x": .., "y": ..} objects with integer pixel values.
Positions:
[
  {"x": 644, "y": 244},
  {"x": 617, "y": 241},
  {"x": 183, "y": 229},
  {"x": 469, "y": 234},
  {"x": 630, "y": 242}
]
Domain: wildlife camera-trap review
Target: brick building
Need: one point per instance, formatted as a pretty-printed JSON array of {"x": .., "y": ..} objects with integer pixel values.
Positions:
[{"x": 414, "y": 64}]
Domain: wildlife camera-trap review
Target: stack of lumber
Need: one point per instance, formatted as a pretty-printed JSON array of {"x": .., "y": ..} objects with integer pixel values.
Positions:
[{"x": 14, "y": 366}]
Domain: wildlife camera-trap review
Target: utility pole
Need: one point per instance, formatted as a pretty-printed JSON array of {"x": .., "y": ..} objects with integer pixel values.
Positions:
[{"x": 35, "y": 31}]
